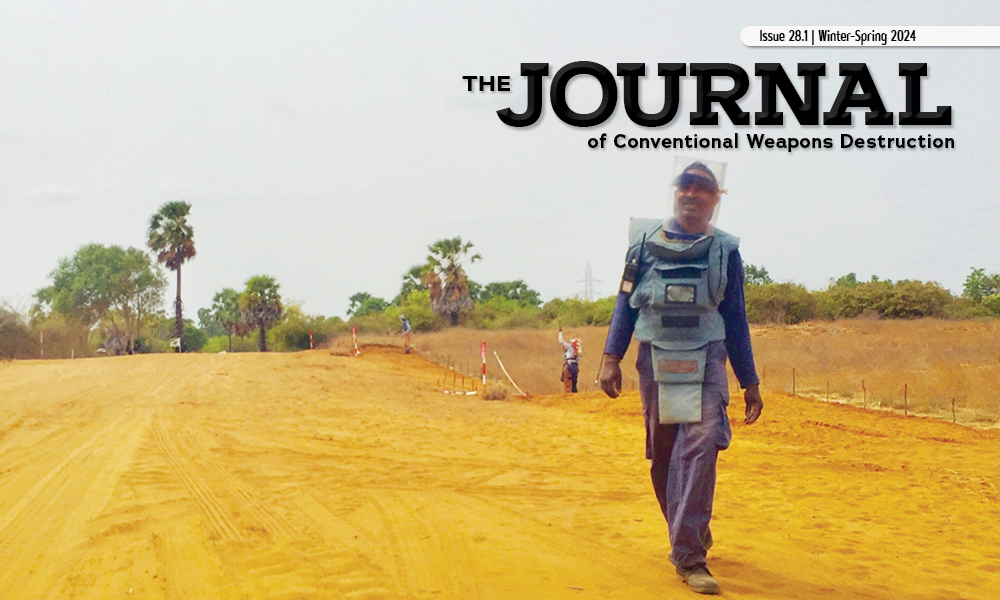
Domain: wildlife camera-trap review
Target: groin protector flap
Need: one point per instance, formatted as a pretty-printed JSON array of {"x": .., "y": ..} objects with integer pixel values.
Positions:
[{"x": 679, "y": 403}]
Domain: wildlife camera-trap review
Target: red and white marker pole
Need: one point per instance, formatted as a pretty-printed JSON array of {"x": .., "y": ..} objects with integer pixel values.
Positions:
[
  {"x": 483, "y": 353},
  {"x": 354, "y": 337},
  {"x": 310, "y": 339}
]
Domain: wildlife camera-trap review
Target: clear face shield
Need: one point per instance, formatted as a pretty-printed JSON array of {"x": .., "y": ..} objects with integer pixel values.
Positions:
[{"x": 696, "y": 188}]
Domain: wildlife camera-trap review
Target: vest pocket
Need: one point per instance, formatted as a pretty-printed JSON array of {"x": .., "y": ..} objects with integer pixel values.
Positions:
[
  {"x": 680, "y": 287},
  {"x": 679, "y": 375}
]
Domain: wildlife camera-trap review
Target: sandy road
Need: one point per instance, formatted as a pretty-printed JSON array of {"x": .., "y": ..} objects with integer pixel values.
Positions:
[{"x": 316, "y": 476}]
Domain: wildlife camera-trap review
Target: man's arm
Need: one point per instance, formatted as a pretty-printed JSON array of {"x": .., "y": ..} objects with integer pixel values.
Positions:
[
  {"x": 566, "y": 345},
  {"x": 734, "y": 314},
  {"x": 622, "y": 325}
]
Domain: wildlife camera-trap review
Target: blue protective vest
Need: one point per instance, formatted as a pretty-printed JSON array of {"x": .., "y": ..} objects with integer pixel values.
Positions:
[
  {"x": 678, "y": 291},
  {"x": 680, "y": 287}
]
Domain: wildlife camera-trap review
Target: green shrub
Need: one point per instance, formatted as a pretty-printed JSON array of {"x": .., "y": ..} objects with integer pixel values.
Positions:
[
  {"x": 156, "y": 338},
  {"x": 504, "y": 313},
  {"x": 906, "y": 299},
  {"x": 991, "y": 304},
  {"x": 573, "y": 312},
  {"x": 781, "y": 303},
  {"x": 966, "y": 308},
  {"x": 63, "y": 338},
  {"x": 16, "y": 338},
  {"x": 416, "y": 307},
  {"x": 292, "y": 331},
  {"x": 220, "y": 343},
  {"x": 194, "y": 339}
]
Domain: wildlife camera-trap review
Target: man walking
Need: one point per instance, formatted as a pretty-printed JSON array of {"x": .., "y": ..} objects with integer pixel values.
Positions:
[{"x": 682, "y": 297}]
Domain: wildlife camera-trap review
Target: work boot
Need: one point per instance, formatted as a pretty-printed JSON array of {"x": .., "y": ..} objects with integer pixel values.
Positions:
[{"x": 699, "y": 579}]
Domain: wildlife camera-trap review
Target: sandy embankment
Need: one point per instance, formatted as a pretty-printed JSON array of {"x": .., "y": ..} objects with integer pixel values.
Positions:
[{"x": 316, "y": 476}]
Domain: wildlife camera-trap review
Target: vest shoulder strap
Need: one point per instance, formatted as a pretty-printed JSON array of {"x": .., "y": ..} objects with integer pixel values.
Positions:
[{"x": 731, "y": 241}]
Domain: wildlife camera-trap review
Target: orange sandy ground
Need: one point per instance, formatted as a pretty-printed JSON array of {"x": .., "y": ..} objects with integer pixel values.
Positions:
[{"x": 316, "y": 476}]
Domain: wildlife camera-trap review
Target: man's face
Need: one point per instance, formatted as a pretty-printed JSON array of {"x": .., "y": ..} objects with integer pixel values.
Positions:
[{"x": 695, "y": 200}]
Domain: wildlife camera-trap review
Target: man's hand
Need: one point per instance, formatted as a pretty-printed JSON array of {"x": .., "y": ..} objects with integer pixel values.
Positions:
[
  {"x": 611, "y": 376},
  {"x": 754, "y": 403}
]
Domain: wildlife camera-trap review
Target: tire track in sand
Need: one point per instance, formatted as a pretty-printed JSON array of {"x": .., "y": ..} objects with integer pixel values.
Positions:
[
  {"x": 265, "y": 519},
  {"x": 432, "y": 559},
  {"x": 66, "y": 494},
  {"x": 251, "y": 540},
  {"x": 355, "y": 555},
  {"x": 216, "y": 514}
]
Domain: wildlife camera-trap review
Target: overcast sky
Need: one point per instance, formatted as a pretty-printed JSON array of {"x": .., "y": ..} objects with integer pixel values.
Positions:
[{"x": 327, "y": 144}]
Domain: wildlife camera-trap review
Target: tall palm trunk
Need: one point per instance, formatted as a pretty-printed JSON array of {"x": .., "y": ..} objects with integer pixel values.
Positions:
[
  {"x": 262, "y": 340},
  {"x": 179, "y": 314}
]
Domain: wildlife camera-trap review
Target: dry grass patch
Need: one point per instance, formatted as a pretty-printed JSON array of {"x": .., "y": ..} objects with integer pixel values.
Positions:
[{"x": 936, "y": 360}]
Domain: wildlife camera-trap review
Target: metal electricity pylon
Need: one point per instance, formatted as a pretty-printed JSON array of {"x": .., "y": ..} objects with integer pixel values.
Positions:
[{"x": 588, "y": 284}]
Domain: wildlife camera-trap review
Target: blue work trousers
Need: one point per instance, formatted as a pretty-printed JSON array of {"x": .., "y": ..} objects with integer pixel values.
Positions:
[{"x": 682, "y": 456}]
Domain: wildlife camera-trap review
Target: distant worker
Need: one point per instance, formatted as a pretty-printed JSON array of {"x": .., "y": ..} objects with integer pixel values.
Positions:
[
  {"x": 682, "y": 297},
  {"x": 407, "y": 334},
  {"x": 571, "y": 363}
]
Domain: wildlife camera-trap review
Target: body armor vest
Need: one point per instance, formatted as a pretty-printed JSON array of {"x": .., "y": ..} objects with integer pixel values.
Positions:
[{"x": 680, "y": 285}]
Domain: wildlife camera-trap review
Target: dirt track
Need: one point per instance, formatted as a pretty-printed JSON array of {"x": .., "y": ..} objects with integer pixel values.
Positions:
[{"x": 317, "y": 476}]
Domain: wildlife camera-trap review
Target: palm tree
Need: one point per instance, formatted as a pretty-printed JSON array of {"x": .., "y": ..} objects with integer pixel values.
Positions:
[
  {"x": 171, "y": 237},
  {"x": 444, "y": 275},
  {"x": 412, "y": 281},
  {"x": 260, "y": 305}
]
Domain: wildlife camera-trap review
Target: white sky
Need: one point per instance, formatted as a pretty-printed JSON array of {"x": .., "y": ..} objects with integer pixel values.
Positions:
[{"x": 327, "y": 144}]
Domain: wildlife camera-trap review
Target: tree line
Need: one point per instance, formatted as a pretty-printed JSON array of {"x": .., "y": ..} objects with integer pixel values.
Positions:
[
  {"x": 438, "y": 293},
  {"x": 109, "y": 299},
  {"x": 848, "y": 297}
]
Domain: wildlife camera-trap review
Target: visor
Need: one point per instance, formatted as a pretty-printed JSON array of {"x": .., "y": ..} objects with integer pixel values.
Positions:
[
  {"x": 693, "y": 179},
  {"x": 695, "y": 192}
]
